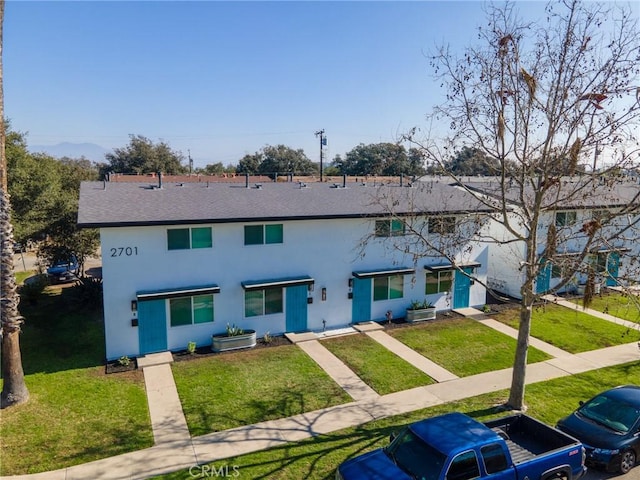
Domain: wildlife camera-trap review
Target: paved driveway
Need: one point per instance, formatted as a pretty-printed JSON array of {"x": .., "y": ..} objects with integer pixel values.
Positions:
[{"x": 600, "y": 475}]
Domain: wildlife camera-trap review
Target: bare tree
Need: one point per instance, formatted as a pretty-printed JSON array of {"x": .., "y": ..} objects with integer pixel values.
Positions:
[
  {"x": 544, "y": 101},
  {"x": 14, "y": 389}
]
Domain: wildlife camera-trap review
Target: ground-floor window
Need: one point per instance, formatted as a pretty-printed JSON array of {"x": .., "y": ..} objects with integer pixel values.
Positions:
[
  {"x": 191, "y": 310},
  {"x": 263, "y": 302},
  {"x": 387, "y": 288},
  {"x": 438, "y": 282}
]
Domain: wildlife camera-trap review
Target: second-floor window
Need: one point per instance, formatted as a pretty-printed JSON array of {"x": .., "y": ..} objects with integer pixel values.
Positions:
[
  {"x": 565, "y": 219},
  {"x": 442, "y": 225},
  {"x": 389, "y": 228},
  {"x": 186, "y": 238},
  {"x": 263, "y": 234}
]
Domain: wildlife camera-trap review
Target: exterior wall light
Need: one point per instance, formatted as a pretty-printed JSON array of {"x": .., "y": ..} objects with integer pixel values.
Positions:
[{"x": 134, "y": 305}]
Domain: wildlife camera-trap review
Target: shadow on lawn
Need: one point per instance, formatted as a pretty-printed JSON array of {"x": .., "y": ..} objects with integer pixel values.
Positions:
[{"x": 61, "y": 331}]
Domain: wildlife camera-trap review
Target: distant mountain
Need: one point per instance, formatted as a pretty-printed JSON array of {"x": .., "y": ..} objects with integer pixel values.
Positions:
[{"x": 90, "y": 151}]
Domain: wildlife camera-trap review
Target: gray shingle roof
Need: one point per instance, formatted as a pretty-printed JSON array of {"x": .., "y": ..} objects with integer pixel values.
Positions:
[{"x": 128, "y": 204}]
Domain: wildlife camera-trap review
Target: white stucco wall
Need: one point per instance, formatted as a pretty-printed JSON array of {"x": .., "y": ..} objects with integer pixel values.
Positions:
[{"x": 137, "y": 258}]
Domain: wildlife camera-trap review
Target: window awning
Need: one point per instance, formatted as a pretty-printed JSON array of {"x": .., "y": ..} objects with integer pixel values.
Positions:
[
  {"x": 277, "y": 282},
  {"x": 177, "y": 292},
  {"x": 384, "y": 272},
  {"x": 600, "y": 250},
  {"x": 449, "y": 266}
]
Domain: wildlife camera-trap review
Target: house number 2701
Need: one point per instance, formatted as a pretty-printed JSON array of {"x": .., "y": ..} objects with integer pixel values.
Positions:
[{"x": 124, "y": 251}]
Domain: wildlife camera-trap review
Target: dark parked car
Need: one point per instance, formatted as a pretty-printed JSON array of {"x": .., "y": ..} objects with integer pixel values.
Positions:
[
  {"x": 608, "y": 425},
  {"x": 65, "y": 270}
]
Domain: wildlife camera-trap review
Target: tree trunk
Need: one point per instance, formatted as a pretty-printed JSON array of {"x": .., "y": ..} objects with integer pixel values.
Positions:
[
  {"x": 14, "y": 389},
  {"x": 516, "y": 395}
]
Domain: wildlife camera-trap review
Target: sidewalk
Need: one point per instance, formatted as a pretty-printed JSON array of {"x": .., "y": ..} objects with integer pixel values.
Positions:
[{"x": 176, "y": 450}]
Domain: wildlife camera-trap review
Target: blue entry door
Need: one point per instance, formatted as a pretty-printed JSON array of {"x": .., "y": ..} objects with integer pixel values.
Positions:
[
  {"x": 152, "y": 326},
  {"x": 461, "y": 287},
  {"x": 296, "y": 316},
  {"x": 361, "y": 304},
  {"x": 543, "y": 280},
  {"x": 613, "y": 263}
]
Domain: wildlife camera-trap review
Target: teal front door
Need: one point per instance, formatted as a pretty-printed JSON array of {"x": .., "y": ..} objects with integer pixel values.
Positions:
[
  {"x": 613, "y": 263},
  {"x": 296, "y": 316},
  {"x": 461, "y": 287},
  {"x": 361, "y": 306},
  {"x": 152, "y": 326},
  {"x": 544, "y": 278}
]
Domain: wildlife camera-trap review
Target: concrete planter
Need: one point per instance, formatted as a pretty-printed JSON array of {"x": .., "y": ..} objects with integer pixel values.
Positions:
[
  {"x": 223, "y": 342},
  {"x": 421, "y": 314}
]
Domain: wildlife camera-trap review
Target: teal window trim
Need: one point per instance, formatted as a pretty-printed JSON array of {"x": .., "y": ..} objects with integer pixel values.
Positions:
[
  {"x": 189, "y": 238},
  {"x": 263, "y": 301},
  {"x": 264, "y": 234},
  {"x": 194, "y": 310}
]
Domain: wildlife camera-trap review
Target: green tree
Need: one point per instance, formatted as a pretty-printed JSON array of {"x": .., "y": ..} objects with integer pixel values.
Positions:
[
  {"x": 14, "y": 388},
  {"x": 277, "y": 160},
  {"x": 472, "y": 161},
  {"x": 141, "y": 156},
  {"x": 379, "y": 159}
]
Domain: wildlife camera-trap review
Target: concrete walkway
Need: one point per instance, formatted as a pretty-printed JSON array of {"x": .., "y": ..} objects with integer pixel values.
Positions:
[{"x": 176, "y": 450}]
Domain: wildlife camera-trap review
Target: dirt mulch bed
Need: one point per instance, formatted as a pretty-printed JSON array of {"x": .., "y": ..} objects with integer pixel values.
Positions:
[{"x": 205, "y": 351}]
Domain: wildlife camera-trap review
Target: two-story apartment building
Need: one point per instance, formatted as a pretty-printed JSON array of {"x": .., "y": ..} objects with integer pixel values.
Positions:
[
  {"x": 573, "y": 208},
  {"x": 181, "y": 261}
]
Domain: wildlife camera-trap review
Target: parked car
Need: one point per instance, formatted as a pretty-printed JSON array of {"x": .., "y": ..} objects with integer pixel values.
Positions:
[
  {"x": 64, "y": 270},
  {"x": 609, "y": 427},
  {"x": 457, "y": 447}
]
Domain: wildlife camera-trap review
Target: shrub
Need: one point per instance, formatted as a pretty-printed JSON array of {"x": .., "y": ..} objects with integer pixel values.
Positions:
[
  {"x": 31, "y": 291},
  {"x": 124, "y": 361},
  {"x": 88, "y": 291},
  {"x": 191, "y": 347}
]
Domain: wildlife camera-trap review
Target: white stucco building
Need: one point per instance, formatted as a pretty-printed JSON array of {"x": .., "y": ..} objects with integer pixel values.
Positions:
[{"x": 181, "y": 261}]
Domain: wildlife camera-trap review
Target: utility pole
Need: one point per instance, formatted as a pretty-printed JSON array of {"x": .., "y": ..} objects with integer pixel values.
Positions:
[
  {"x": 190, "y": 162},
  {"x": 323, "y": 142}
]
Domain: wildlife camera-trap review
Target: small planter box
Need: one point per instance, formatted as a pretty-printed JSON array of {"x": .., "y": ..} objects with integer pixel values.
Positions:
[
  {"x": 223, "y": 342},
  {"x": 421, "y": 314}
]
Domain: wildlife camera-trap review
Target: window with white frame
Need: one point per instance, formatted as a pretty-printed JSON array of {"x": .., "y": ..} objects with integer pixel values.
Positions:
[
  {"x": 191, "y": 310},
  {"x": 389, "y": 228},
  {"x": 264, "y": 301},
  {"x": 388, "y": 287},
  {"x": 438, "y": 282},
  {"x": 566, "y": 219},
  {"x": 442, "y": 225}
]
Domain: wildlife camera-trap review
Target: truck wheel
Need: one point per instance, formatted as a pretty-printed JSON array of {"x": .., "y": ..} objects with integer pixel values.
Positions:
[{"x": 627, "y": 461}]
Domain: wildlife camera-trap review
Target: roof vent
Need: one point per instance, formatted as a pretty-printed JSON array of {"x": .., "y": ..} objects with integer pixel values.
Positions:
[
  {"x": 258, "y": 186},
  {"x": 303, "y": 185}
]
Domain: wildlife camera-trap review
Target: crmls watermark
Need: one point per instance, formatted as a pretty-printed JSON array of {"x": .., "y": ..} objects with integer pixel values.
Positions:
[{"x": 212, "y": 471}]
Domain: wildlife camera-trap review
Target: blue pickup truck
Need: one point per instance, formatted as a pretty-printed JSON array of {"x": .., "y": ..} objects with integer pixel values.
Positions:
[{"x": 457, "y": 447}]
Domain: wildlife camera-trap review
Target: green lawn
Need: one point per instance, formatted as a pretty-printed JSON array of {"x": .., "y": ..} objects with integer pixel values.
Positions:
[
  {"x": 622, "y": 306},
  {"x": 463, "y": 346},
  {"x": 379, "y": 368},
  {"x": 76, "y": 413},
  {"x": 22, "y": 275},
  {"x": 243, "y": 388},
  {"x": 317, "y": 458},
  {"x": 571, "y": 330}
]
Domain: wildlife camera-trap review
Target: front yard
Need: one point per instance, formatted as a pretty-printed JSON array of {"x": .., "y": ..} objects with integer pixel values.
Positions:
[
  {"x": 463, "y": 346},
  {"x": 619, "y": 305},
  {"x": 378, "y": 367},
  {"x": 317, "y": 458},
  {"x": 246, "y": 387},
  {"x": 76, "y": 413},
  {"x": 571, "y": 330}
]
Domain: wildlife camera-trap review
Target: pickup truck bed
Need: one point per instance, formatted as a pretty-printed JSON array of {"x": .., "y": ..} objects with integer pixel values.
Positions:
[{"x": 527, "y": 438}]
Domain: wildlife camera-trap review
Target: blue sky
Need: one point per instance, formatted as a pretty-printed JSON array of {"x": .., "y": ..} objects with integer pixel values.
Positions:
[{"x": 223, "y": 79}]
